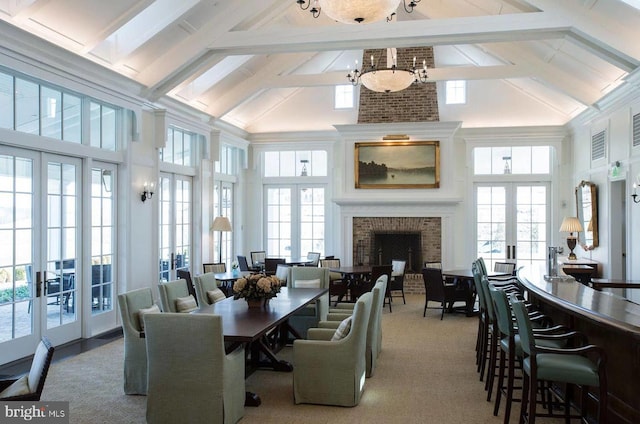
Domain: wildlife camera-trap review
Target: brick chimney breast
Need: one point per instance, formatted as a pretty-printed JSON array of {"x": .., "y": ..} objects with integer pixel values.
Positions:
[{"x": 418, "y": 103}]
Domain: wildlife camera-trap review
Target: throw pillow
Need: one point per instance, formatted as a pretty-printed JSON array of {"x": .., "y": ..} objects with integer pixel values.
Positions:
[
  {"x": 307, "y": 284},
  {"x": 186, "y": 304},
  {"x": 17, "y": 388},
  {"x": 153, "y": 309},
  {"x": 342, "y": 330},
  {"x": 216, "y": 295}
]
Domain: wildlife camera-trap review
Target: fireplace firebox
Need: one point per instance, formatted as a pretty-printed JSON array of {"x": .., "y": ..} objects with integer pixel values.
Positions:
[{"x": 405, "y": 246}]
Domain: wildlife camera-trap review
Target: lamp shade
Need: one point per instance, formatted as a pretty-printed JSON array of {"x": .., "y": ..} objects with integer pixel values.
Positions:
[
  {"x": 570, "y": 224},
  {"x": 221, "y": 223},
  {"x": 358, "y": 11}
]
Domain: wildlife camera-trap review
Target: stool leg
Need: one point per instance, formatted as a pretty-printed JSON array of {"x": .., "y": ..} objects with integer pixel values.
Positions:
[
  {"x": 501, "y": 366},
  {"x": 533, "y": 385},
  {"x": 493, "y": 355},
  {"x": 525, "y": 397}
]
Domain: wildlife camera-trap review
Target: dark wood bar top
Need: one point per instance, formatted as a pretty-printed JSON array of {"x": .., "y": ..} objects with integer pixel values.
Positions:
[
  {"x": 594, "y": 305},
  {"x": 607, "y": 320}
]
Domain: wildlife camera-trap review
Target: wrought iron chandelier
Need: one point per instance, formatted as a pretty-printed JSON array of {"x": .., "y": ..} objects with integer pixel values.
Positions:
[
  {"x": 356, "y": 11},
  {"x": 389, "y": 79}
]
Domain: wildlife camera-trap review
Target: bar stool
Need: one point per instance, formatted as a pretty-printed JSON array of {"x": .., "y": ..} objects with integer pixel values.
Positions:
[
  {"x": 510, "y": 346},
  {"x": 570, "y": 366}
]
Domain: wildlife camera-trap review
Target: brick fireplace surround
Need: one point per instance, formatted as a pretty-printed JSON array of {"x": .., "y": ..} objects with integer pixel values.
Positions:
[{"x": 429, "y": 228}]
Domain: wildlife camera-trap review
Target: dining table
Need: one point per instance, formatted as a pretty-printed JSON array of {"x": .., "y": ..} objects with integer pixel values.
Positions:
[
  {"x": 228, "y": 278},
  {"x": 353, "y": 276},
  {"x": 463, "y": 278},
  {"x": 265, "y": 330}
]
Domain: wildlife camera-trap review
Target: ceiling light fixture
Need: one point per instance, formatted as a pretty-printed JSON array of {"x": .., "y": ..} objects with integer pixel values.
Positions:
[
  {"x": 356, "y": 11},
  {"x": 391, "y": 78}
]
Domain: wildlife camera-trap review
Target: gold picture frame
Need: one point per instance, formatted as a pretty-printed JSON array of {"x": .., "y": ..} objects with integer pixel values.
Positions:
[{"x": 408, "y": 164}]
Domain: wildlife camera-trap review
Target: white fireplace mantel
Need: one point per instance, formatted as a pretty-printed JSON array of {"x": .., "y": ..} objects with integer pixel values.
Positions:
[{"x": 414, "y": 130}]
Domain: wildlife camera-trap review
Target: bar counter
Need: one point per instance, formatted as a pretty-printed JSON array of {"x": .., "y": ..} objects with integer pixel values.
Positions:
[{"x": 609, "y": 321}]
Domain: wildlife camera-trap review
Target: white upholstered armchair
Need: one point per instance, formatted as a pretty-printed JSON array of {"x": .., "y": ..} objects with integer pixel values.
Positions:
[
  {"x": 332, "y": 372},
  {"x": 312, "y": 314},
  {"x": 374, "y": 328},
  {"x": 191, "y": 379},
  {"x": 135, "y": 351}
]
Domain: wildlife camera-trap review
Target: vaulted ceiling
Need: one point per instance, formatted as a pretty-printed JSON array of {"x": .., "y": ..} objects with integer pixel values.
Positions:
[{"x": 267, "y": 65}]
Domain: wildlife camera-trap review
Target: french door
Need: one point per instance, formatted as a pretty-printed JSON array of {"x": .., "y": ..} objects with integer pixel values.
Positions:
[
  {"x": 512, "y": 222},
  {"x": 295, "y": 220},
  {"x": 175, "y": 236},
  {"x": 40, "y": 198}
]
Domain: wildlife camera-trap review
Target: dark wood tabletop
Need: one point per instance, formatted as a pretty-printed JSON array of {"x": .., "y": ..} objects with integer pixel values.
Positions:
[
  {"x": 230, "y": 276},
  {"x": 353, "y": 270},
  {"x": 242, "y": 324},
  {"x": 468, "y": 273},
  {"x": 606, "y": 283}
]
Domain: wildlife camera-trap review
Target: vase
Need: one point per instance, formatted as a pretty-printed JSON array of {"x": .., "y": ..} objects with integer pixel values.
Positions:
[
  {"x": 255, "y": 303},
  {"x": 235, "y": 272}
]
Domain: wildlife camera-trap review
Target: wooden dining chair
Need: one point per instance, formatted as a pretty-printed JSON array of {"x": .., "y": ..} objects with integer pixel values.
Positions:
[{"x": 216, "y": 268}]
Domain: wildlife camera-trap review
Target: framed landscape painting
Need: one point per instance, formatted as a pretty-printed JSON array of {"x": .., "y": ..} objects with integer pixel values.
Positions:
[{"x": 408, "y": 164}]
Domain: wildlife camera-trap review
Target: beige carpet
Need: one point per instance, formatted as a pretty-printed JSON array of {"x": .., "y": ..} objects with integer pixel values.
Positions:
[{"x": 426, "y": 374}]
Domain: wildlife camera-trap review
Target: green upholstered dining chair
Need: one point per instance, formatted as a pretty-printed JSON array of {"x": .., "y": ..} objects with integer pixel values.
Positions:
[
  {"x": 312, "y": 314},
  {"x": 170, "y": 294},
  {"x": 374, "y": 328},
  {"x": 583, "y": 366},
  {"x": 29, "y": 387},
  {"x": 207, "y": 289},
  {"x": 135, "y": 351},
  {"x": 333, "y": 372},
  {"x": 191, "y": 379}
]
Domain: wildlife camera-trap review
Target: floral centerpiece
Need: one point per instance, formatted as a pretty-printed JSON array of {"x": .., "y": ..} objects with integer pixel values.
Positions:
[{"x": 256, "y": 287}]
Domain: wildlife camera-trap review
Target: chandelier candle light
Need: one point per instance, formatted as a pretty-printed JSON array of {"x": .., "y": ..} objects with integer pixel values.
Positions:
[
  {"x": 356, "y": 11},
  {"x": 391, "y": 78}
]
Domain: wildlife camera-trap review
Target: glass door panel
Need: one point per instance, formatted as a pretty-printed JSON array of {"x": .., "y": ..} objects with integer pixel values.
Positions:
[
  {"x": 39, "y": 253},
  {"x": 511, "y": 222},
  {"x": 17, "y": 277},
  {"x": 279, "y": 222},
  {"x": 175, "y": 236}
]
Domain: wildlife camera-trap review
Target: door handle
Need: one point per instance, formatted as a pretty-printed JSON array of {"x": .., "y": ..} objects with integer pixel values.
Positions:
[
  {"x": 38, "y": 284},
  {"x": 513, "y": 252}
]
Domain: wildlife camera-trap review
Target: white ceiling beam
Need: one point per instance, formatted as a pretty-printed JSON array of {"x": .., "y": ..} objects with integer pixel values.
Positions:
[
  {"x": 466, "y": 30},
  {"x": 598, "y": 33},
  {"x": 548, "y": 75},
  {"x": 114, "y": 25},
  {"x": 26, "y": 12},
  {"x": 188, "y": 57},
  {"x": 255, "y": 84},
  {"x": 435, "y": 74}
]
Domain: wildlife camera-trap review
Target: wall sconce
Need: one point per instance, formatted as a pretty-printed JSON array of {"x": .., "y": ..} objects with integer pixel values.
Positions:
[
  {"x": 147, "y": 191},
  {"x": 635, "y": 186}
]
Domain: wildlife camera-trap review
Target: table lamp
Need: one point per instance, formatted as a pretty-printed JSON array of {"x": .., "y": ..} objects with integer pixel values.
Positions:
[
  {"x": 221, "y": 223},
  {"x": 571, "y": 224}
]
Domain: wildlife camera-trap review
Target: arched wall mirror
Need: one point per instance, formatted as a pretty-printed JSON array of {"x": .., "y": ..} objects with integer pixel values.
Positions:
[{"x": 587, "y": 212}]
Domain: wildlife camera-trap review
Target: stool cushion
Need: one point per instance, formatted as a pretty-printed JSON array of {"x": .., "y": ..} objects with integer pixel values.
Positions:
[{"x": 574, "y": 369}]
